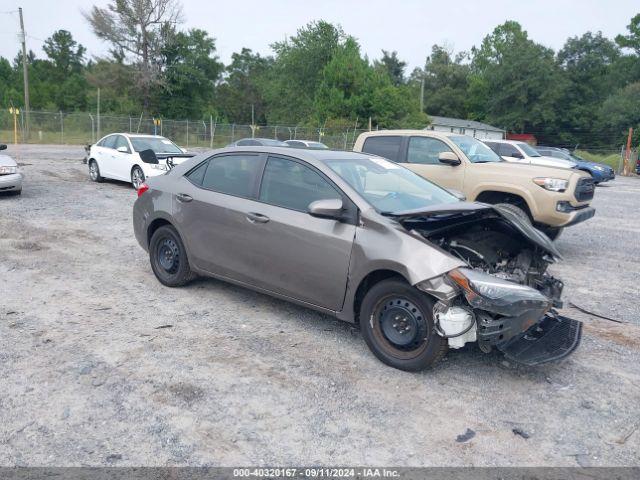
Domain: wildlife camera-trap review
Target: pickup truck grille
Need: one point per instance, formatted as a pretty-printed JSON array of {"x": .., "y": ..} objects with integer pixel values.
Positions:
[{"x": 584, "y": 189}]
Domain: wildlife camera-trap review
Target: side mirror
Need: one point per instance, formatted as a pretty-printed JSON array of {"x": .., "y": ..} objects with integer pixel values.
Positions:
[
  {"x": 449, "y": 158},
  {"x": 3, "y": 146},
  {"x": 148, "y": 156},
  {"x": 327, "y": 208},
  {"x": 122, "y": 149},
  {"x": 458, "y": 194}
]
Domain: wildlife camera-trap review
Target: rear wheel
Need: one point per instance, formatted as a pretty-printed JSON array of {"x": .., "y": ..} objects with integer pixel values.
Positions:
[
  {"x": 396, "y": 321},
  {"x": 137, "y": 177},
  {"x": 94, "y": 171},
  {"x": 169, "y": 258}
]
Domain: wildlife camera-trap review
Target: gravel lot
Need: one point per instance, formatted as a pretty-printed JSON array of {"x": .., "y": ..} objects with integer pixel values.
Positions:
[{"x": 90, "y": 377}]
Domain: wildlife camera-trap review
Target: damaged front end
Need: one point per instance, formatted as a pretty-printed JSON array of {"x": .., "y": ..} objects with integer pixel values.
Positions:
[{"x": 505, "y": 297}]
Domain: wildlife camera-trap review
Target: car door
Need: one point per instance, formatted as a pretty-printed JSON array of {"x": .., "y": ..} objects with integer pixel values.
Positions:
[
  {"x": 422, "y": 158},
  {"x": 122, "y": 158},
  {"x": 293, "y": 253},
  {"x": 106, "y": 160},
  {"x": 211, "y": 206}
]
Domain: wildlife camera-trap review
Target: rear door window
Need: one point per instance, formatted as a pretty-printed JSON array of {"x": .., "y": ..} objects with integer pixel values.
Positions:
[
  {"x": 233, "y": 174},
  {"x": 426, "y": 150},
  {"x": 196, "y": 175},
  {"x": 292, "y": 185},
  {"x": 384, "y": 146}
]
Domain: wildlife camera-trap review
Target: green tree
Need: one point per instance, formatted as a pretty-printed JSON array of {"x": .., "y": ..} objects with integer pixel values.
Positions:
[
  {"x": 621, "y": 111},
  {"x": 516, "y": 82},
  {"x": 393, "y": 66},
  {"x": 632, "y": 40},
  {"x": 297, "y": 71},
  {"x": 243, "y": 87},
  {"x": 587, "y": 62},
  {"x": 446, "y": 81},
  {"x": 66, "y": 64},
  {"x": 190, "y": 72}
]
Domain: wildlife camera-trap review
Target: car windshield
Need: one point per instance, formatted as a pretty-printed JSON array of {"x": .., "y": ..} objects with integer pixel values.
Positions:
[
  {"x": 389, "y": 187},
  {"x": 157, "y": 144},
  {"x": 475, "y": 150},
  {"x": 528, "y": 150}
]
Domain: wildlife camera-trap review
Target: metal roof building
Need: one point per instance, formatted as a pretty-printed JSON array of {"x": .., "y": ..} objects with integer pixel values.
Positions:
[{"x": 466, "y": 127}]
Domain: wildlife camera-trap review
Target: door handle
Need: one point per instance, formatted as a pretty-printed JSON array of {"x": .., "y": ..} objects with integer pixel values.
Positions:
[
  {"x": 257, "y": 217},
  {"x": 183, "y": 197}
]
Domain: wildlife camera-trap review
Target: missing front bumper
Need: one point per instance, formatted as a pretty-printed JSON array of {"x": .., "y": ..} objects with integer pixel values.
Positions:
[{"x": 555, "y": 337}]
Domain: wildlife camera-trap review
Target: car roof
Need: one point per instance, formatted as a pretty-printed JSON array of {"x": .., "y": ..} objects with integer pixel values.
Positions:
[
  {"x": 304, "y": 154},
  {"x": 512, "y": 142}
]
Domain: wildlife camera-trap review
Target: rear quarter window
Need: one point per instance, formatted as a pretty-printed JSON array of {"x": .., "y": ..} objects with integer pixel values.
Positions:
[{"x": 384, "y": 146}]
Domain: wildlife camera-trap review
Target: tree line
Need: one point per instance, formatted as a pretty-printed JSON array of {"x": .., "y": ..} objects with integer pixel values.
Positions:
[{"x": 587, "y": 93}]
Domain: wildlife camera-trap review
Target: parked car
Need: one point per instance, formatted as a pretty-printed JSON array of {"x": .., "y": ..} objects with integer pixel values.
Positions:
[
  {"x": 10, "y": 175},
  {"x": 257, "y": 142},
  {"x": 551, "y": 198},
  {"x": 363, "y": 239},
  {"x": 117, "y": 156},
  {"x": 598, "y": 171},
  {"x": 306, "y": 144},
  {"x": 522, "y": 152}
]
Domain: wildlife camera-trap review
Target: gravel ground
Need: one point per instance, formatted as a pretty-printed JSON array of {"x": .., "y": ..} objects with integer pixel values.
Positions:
[{"x": 89, "y": 376}]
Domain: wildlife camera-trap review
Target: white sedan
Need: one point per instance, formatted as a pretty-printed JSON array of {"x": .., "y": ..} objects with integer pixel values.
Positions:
[{"x": 117, "y": 156}]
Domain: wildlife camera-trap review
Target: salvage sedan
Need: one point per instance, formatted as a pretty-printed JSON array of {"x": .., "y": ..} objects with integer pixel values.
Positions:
[
  {"x": 363, "y": 239},
  {"x": 10, "y": 176}
]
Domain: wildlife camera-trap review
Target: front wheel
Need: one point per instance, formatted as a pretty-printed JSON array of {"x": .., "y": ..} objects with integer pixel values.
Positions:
[
  {"x": 169, "y": 257},
  {"x": 396, "y": 321},
  {"x": 137, "y": 177},
  {"x": 94, "y": 171}
]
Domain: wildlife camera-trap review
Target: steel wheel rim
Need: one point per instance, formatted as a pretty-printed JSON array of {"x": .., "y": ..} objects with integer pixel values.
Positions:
[
  {"x": 168, "y": 255},
  {"x": 400, "y": 327}
]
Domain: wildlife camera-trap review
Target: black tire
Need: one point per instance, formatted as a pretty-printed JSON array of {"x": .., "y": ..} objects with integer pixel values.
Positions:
[
  {"x": 94, "y": 175},
  {"x": 519, "y": 212},
  {"x": 137, "y": 177},
  {"x": 168, "y": 257},
  {"x": 393, "y": 303}
]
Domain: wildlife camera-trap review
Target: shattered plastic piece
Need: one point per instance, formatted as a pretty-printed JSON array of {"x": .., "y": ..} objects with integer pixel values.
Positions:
[{"x": 466, "y": 436}]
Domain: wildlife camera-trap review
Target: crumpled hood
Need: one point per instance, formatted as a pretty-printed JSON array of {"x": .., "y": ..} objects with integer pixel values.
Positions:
[{"x": 471, "y": 208}]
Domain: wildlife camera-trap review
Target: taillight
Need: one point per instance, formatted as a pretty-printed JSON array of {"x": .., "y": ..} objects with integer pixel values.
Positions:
[{"x": 142, "y": 188}]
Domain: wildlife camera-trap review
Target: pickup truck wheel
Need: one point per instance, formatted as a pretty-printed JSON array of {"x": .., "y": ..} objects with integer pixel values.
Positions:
[
  {"x": 517, "y": 211},
  {"x": 168, "y": 257},
  {"x": 396, "y": 321}
]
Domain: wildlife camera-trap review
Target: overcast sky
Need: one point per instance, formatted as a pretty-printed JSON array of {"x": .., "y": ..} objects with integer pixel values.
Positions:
[{"x": 408, "y": 26}]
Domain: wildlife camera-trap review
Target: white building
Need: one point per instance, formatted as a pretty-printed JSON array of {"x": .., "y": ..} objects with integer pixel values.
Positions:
[{"x": 466, "y": 127}]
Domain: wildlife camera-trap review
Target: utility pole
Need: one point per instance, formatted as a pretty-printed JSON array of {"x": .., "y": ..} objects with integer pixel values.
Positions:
[
  {"x": 25, "y": 69},
  {"x": 98, "y": 115},
  {"x": 627, "y": 168}
]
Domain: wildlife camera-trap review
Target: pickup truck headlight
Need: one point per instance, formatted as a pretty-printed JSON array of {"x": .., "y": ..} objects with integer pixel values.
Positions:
[
  {"x": 553, "y": 184},
  {"x": 494, "y": 294},
  {"x": 8, "y": 170}
]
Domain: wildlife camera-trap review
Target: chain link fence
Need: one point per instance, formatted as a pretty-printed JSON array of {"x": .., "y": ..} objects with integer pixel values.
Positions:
[{"x": 84, "y": 128}]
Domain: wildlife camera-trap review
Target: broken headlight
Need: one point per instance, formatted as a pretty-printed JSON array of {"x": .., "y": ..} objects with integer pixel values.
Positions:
[
  {"x": 494, "y": 294},
  {"x": 553, "y": 184}
]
